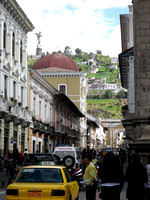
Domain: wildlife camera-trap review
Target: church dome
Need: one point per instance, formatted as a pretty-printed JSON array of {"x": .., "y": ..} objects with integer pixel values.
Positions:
[{"x": 56, "y": 60}]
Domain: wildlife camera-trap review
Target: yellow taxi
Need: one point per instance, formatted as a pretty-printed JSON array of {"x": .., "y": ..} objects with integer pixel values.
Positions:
[{"x": 43, "y": 182}]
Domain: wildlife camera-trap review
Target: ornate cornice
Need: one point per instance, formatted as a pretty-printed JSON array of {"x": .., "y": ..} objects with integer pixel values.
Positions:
[{"x": 13, "y": 9}]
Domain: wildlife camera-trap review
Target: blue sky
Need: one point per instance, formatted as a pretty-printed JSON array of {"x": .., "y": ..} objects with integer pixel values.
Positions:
[{"x": 86, "y": 24}]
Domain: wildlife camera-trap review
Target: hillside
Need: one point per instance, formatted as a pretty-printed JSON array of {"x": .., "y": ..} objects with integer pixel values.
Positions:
[
  {"x": 105, "y": 108},
  {"x": 100, "y": 104}
]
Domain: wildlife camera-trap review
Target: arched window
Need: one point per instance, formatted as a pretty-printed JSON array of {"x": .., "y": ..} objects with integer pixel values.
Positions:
[
  {"x": 4, "y": 36},
  {"x": 62, "y": 88},
  {"x": 13, "y": 44},
  {"x": 21, "y": 52}
]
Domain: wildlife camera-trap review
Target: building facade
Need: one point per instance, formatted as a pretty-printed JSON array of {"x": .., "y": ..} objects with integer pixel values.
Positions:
[
  {"x": 64, "y": 75},
  {"x": 15, "y": 117},
  {"x": 114, "y": 133},
  {"x": 55, "y": 118}
]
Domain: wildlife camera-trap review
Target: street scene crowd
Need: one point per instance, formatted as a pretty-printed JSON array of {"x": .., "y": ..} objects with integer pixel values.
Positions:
[{"x": 102, "y": 170}]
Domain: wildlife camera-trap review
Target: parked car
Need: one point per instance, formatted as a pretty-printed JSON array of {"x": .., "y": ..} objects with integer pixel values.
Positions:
[
  {"x": 43, "y": 182},
  {"x": 70, "y": 156},
  {"x": 39, "y": 159}
]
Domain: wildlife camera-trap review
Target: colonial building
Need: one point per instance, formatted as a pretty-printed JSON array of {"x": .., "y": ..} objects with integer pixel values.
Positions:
[
  {"x": 114, "y": 133},
  {"x": 15, "y": 117},
  {"x": 55, "y": 117},
  {"x": 63, "y": 74},
  {"x": 91, "y": 131}
]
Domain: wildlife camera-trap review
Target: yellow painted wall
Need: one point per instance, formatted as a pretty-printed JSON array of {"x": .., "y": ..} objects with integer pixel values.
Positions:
[
  {"x": 73, "y": 83},
  {"x": 73, "y": 86}
]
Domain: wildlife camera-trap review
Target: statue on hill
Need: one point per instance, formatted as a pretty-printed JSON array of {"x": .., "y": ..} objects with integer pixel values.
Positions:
[{"x": 38, "y": 38}]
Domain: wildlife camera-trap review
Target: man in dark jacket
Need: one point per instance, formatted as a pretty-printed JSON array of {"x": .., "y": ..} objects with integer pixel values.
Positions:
[{"x": 112, "y": 177}]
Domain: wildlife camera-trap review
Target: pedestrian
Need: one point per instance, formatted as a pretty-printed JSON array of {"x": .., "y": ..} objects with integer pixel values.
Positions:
[
  {"x": 148, "y": 176},
  {"x": 136, "y": 177},
  {"x": 6, "y": 163},
  {"x": 90, "y": 175},
  {"x": 86, "y": 151},
  {"x": 16, "y": 156},
  {"x": 11, "y": 164},
  {"x": 111, "y": 176},
  {"x": 122, "y": 156},
  {"x": 94, "y": 160}
]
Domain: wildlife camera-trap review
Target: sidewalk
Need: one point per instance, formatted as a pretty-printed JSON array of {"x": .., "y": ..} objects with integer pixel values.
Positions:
[{"x": 3, "y": 179}]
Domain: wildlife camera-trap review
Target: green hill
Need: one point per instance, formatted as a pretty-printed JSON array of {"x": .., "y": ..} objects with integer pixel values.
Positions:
[
  {"x": 96, "y": 105},
  {"x": 105, "y": 108}
]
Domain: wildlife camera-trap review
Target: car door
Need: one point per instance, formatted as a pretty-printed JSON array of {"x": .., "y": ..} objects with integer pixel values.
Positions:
[{"x": 73, "y": 185}]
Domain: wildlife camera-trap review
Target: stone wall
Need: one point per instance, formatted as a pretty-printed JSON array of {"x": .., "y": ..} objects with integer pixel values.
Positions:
[{"x": 142, "y": 58}]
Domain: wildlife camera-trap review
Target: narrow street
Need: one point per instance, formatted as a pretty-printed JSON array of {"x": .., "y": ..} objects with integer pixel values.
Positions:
[{"x": 81, "y": 194}]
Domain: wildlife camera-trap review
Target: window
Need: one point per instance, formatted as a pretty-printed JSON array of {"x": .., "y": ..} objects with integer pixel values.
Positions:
[
  {"x": 68, "y": 178},
  {"x": 13, "y": 44},
  {"x": 39, "y": 109},
  {"x": 40, "y": 175},
  {"x": 50, "y": 114},
  {"x": 45, "y": 112},
  {"x": 14, "y": 89},
  {"x": 5, "y": 86},
  {"x": 34, "y": 105},
  {"x": 63, "y": 89},
  {"x": 20, "y": 52},
  {"x": 4, "y": 36},
  {"x": 22, "y": 96}
]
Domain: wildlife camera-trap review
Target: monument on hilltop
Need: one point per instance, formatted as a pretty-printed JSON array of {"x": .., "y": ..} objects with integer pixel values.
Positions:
[{"x": 38, "y": 49}]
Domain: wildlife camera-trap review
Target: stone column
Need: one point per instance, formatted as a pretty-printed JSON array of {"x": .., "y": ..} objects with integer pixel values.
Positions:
[
  {"x": 19, "y": 138},
  {"x": 2, "y": 139},
  {"x": 141, "y": 15},
  {"x": 26, "y": 145},
  {"x": 10, "y": 139}
]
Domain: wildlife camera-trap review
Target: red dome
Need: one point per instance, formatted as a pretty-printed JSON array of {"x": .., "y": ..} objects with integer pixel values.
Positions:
[{"x": 58, "y": 60}]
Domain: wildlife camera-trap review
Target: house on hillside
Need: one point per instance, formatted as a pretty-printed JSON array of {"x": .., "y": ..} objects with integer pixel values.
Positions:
[
  {"x": 114, "y": 60},
  {"x": 93, "y": 70}
]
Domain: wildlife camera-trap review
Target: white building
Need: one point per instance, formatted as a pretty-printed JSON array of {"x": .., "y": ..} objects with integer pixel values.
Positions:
[
  {"x": 114, "y": 60},
  {"x": 14, "y": 114}
]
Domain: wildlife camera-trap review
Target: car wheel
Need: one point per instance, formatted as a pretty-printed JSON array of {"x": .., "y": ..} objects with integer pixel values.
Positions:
[{"x": 68, "y": 161}]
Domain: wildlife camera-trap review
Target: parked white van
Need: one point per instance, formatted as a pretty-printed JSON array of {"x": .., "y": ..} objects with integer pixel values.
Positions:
[{"x": 71, "y": 156}]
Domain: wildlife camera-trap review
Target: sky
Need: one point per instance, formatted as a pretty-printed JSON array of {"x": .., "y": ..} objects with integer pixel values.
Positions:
[{"x": 90, "y": 25}]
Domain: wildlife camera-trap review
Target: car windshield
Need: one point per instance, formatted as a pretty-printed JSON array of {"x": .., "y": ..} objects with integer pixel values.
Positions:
[
  {"x": 32, "y": 159},
  {"x": 40, "y": 175},
  {"x": 62, "y": 154}
]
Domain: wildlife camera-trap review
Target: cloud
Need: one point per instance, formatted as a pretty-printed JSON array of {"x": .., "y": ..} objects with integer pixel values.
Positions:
[
  {"x": 85, "y": 24},
  {"x": 71, "y": 7}
]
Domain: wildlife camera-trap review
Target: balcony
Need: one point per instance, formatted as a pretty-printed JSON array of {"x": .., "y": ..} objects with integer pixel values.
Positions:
[
  {"x": 10, "y": 111},
  {"x": 3, "y": 107}
]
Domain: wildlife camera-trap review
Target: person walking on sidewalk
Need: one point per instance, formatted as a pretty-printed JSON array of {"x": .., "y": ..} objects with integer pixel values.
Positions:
[
  {"x": 148, "y": 176},
  {"x": 90, "y": 175},
  {"x": 111, "y": 176},
  {"x": 136, "y": 177}
]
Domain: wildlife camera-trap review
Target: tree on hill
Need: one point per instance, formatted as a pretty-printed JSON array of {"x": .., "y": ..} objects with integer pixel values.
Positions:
[
  {"x": 78, "y": 51},
  {"x": 121, "y": 94},
  {"x": 108, "y": 94},
  {"x": 98, "y": 51},
  {"x": 68, "y": 50}
]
